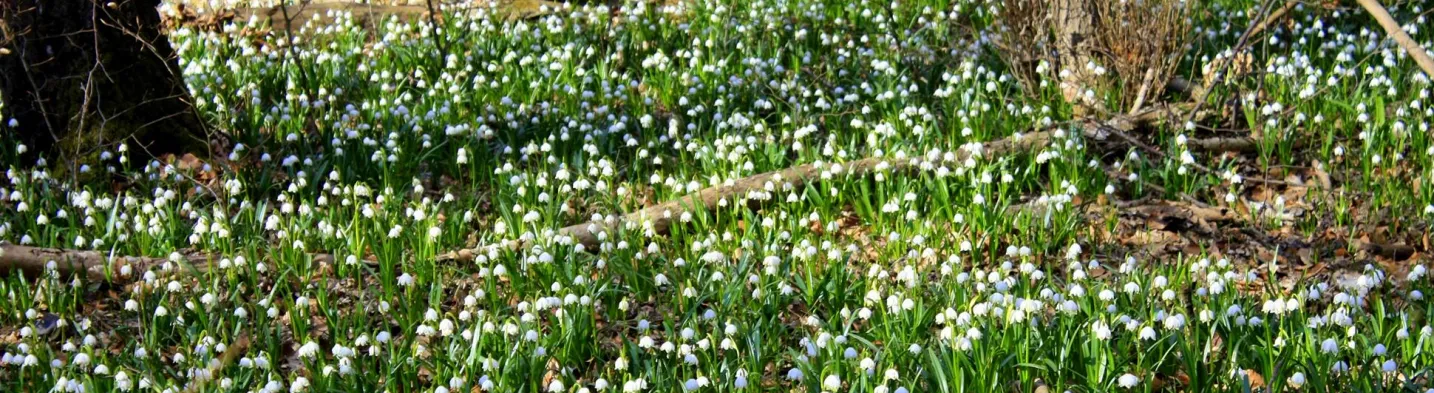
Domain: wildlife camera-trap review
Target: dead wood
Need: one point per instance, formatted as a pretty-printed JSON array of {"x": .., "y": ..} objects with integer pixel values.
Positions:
[
  {"x": 1242, "y": 144},
  {"x": 99, "y": 266},
  {"x": 95, "y": 265},
  {"x": 657, "y": 219}
]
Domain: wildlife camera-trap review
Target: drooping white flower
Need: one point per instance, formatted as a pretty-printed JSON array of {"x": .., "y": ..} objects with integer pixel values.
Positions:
[
  {"x": 1329, "y": 346},
  {"x": 1100, "y": 330},
  {"x": 1147, "y": 333},
  {"x": 1128, "y": 381},
  {"x": 831, "y": 383}
]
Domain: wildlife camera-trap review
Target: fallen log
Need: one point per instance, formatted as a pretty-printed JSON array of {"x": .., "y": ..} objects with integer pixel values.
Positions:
[
  {"x": 661, "y": 216},
  {"x": 1241, "y": 144},
  {"x": 100, "y": 266},
  {"x": 95, "y": 265}
]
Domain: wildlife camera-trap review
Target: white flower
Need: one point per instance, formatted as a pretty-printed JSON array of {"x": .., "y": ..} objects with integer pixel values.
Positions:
[
  {"x": 794, "y": 374},
  {"x": 300, "y": 384},
  {"x": 1175, "y": 322},
  {"x": 1389, "y": 366},
  {"x": 308, "y": 350},
  {"x": 634, "y": 386},
  {"x": 713, "y": 257},
  {"x": 1147, "y": 333},
  {"x": 1329, "y": 346},
  {"x": 556, "y": 386},
  {"x": 1274, "y": 306},
  {"x": 1297, "y": 380},
  {"x": 973, "y": 333},
  {"x": 1128, "y": 380},
  {"x": 1101, "y": 330},
  {"x": 123, "y": 382},
  {"x": 831, "y": 383}
]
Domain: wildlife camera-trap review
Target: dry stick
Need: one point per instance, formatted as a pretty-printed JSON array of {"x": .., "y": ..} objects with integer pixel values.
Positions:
[
  {"x": 438, "y": 39},
  {"x": 1144, "y": 88},
  {"x": 1396, "y": 33},
  {"x": 1121, "y": 125},
  {"x": 1241, "y": 144},
  {"x": 1218, "y": 65},
  {"x": 289, "y": 38}
]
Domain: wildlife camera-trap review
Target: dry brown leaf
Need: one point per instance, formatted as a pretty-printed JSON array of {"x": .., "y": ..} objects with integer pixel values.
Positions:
[
  {"x": 552, "y": 372},
  {"x": 1257, "y": 381}
]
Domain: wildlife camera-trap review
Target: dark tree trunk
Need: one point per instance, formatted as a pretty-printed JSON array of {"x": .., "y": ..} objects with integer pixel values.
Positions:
[{"x": 79, "y": 76}]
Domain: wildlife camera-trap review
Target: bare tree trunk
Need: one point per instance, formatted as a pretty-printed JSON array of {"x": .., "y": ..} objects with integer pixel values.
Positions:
[
  {"x": 1073, "y": 24},
  {"x": 81, "y": 75}
]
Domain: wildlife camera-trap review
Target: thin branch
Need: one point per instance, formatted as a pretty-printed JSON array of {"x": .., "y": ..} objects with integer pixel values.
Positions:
[
  {"x": 1218, "y": 66},
  {"x": 433, "y": 27}
]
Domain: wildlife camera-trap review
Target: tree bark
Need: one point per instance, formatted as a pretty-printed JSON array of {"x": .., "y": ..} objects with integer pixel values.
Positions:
[
  {"x": 78, "y": 76},
  {"x": 1073, "y": 25}
]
